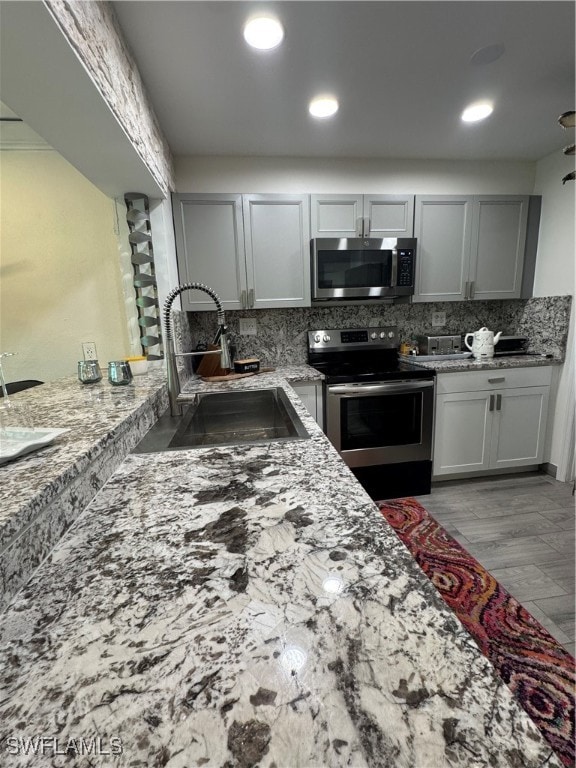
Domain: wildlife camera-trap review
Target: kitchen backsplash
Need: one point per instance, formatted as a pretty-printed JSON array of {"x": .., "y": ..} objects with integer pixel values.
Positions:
[{"x": 281, "y": 336}]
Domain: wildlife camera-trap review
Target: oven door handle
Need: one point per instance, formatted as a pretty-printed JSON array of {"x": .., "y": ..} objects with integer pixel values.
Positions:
[{"x": 358, "y": 390}]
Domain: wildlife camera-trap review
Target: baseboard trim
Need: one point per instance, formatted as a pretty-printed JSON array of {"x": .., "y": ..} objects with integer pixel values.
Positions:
[
  {"x": 486, "y": 473},
  {"x": 550, "y": 469}
]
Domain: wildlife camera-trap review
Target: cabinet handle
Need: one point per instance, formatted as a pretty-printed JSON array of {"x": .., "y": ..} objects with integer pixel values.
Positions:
[
  {"x": 366, "y": 232},
  {"x": 251, "y": 297},
  {"x": 466, "y": 286},
  {"x": 491, "y": 403},
  {"x": 359, "y": 227},
  {"x": 243, "y": 299},
  {"x": 497, "y": 380},
  {"x": 394, "y": 272},
  {"x": 498, "y": 402},
  {"x": 472, "y": 290}
]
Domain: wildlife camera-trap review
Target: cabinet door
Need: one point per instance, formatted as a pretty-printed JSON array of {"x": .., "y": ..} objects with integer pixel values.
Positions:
[
  {"x": 443, "y": 228},
  {"x": 498, "y": 244},
  {"x": 311, "y": 395},
  {"x": 277, "y": 250},
  {"x": 462, "y": 433},
  {"x": 336, "y": 215},
  {"x": 210, "y": 248},
  {"x": 389, "y": 215},
  {"x": 519, "y": 431}
]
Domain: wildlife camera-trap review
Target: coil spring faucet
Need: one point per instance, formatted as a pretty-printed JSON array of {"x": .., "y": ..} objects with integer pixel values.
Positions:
[{"x": 174, "y": 394}]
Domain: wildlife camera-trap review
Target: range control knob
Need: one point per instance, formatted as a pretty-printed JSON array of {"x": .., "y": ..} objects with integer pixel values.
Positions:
[
  {"x": 391, "y": 334},
  {"x": 382, "y": 335},
  {"x": 373, "y": 335},
  {"x": 326, "y": 337},
  {"x": 317, "y": 338}
]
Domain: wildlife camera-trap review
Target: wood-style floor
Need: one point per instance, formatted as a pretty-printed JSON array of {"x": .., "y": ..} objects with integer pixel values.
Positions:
[{"x": 521, "y": 529}]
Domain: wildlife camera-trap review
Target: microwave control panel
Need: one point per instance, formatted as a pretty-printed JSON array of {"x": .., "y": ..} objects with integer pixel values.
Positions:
[{"x": 406, "y": 267}]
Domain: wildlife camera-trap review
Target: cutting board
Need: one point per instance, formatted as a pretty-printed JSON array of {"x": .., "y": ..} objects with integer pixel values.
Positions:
[{"x": 234, "y": 376}]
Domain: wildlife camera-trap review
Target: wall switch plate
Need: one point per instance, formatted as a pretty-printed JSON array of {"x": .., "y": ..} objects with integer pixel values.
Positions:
[
  {"x": 248, "y": 326},
  {"x": 89, "y": 350},
  {"x": 438, "y": 319}
]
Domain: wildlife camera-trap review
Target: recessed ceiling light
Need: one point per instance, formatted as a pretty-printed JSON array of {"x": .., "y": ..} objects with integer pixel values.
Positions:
[
  {"x": 323, "y": 106},
  {"x": 263, "y": 32},
  {"x": 478, "y": 111}
]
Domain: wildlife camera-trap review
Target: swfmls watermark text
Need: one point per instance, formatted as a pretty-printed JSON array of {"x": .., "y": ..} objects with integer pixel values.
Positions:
[{"x": 49, "y": 746}]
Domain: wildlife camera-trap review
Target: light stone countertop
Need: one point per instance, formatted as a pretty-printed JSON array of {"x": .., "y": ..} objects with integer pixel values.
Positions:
[
  {"x": 497, "y": 363},
  {"x": 242, "y": 606}
]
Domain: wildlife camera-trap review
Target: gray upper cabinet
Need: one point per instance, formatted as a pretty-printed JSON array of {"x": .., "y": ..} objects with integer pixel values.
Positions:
[
  {"x": 362, "y": 215},
  {"x": 497, "y": 248},
  {"x": 277, "y": 250},
  {"x": 253, "y": 250},
  {"x": 210, "y": 248},
  {"x": 470, "y": 247},
  {"x": 443, "y": 228}
]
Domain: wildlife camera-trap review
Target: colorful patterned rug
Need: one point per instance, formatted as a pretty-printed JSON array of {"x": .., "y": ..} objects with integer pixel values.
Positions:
[{"x": 538, "y": 670}]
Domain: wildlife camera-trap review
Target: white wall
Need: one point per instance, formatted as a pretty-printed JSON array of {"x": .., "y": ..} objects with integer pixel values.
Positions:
[
  {"x": 555, "y": 276},
  {"x": 298, "y": 175},
  {"x": 60, "y": 271},
  {"x": 555, "y": 261}
]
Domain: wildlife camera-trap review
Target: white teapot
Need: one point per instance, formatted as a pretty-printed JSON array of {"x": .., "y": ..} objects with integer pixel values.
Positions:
[{"x": 483, "y": 341}]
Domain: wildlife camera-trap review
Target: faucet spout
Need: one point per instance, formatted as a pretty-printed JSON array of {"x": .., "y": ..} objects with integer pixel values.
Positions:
[{"x": 221, "y": 337}]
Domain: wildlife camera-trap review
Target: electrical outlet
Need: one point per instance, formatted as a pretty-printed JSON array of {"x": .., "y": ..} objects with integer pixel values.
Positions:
[
  {"x": 89, "y": 350},
  {"x": 248, "y": 326},
  {"x": 438, "y": 319},
  {"x": 374, "y": 322}
]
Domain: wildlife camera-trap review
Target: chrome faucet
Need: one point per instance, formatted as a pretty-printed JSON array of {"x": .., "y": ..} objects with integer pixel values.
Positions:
[{"x": 174, "y": 394}]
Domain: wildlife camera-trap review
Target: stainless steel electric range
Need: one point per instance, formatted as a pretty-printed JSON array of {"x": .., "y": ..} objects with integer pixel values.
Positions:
[{"x": 378, "y": 411}]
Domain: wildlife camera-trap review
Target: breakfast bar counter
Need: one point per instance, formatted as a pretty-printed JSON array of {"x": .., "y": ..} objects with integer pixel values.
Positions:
[{"x": 245, "y": 606}]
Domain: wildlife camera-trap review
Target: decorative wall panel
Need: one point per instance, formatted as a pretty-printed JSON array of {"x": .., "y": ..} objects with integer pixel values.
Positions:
[{"x": 140, "y": 239}]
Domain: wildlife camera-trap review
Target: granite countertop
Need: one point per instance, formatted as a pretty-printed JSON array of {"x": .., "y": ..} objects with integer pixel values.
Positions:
[
  {"x": 469, "y": 364},
  {"x": 243, "y": 606},
  {"x": 43, "y": 492},
  {"x": 92, "y": 414}
]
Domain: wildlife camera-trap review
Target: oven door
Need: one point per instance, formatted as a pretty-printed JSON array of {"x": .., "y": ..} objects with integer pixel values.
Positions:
[{"x": 381, "y": 423}]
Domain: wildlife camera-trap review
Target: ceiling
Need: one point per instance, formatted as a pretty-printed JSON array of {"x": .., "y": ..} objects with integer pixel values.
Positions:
[
  {"x": 402, "y": 71},
  {"x": 44, "y": 84}
]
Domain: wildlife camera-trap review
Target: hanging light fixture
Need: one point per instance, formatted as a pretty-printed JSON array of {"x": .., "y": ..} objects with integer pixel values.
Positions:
[{"x": 568, "y": 120}]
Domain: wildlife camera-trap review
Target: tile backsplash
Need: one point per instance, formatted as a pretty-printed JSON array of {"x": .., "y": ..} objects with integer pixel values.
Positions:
[{"x": 281, "y": 336}]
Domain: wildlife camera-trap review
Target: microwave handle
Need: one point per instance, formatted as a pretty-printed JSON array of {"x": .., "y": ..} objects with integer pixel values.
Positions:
[{"x": 394, "y": 272}]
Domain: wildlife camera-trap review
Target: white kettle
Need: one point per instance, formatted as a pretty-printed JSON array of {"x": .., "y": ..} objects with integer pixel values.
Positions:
[{"x": 483, "y": 341}]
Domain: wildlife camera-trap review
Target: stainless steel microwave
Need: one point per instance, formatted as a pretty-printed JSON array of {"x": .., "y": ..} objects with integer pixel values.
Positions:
[{"x": 362, "y": 268}]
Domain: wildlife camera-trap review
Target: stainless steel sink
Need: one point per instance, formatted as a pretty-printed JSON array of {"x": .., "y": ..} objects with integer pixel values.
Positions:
[{"x": 226, "y": 418}]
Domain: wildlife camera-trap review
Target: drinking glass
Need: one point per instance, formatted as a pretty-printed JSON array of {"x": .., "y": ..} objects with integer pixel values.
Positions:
[
  {"x": 89, "y": 371},
  {"x": 119, "y": 372}
]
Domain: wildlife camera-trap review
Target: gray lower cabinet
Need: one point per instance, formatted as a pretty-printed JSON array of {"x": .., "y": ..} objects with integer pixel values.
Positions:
[
  {"x": 470, "y": 246},
  {"x": 310, "y": 393},
  {"x": 253, "y": 250},
  {"x": 362, "y": 215},
  {"x": 490, "y": 420}
]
